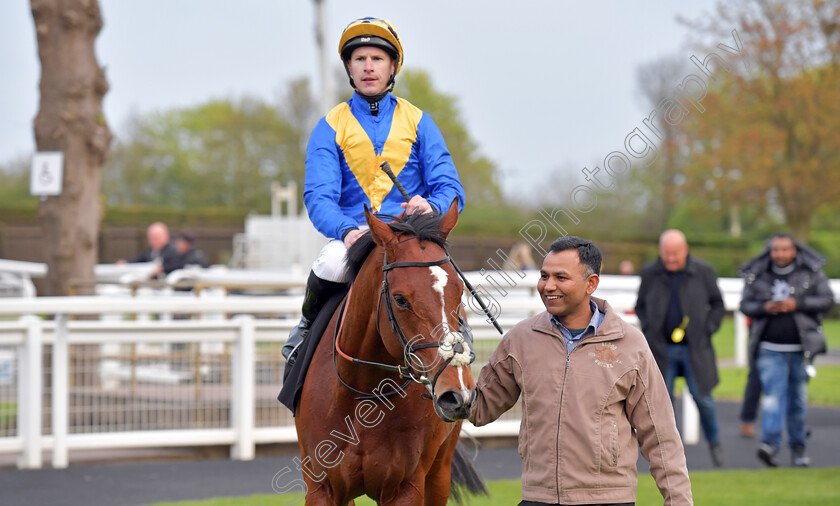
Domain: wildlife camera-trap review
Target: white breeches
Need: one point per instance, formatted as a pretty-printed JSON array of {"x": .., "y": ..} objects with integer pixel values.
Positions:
[{"x": 331, "y": 263}]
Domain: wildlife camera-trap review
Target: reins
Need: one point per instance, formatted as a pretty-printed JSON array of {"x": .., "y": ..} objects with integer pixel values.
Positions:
[
  {"x": 337, "y": 348},
  {"x": 406, "y": 370}
]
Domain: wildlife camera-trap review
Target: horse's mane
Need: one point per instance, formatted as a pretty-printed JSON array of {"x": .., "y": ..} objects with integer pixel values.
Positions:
[{"x": 426, "y": 227}]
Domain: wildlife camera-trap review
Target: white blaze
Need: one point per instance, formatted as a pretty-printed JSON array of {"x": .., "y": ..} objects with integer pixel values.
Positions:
[
  {"x": 441, "y": 277},
  {"x": 450, "y": 338},
  {"x": 465, "y": 392}
]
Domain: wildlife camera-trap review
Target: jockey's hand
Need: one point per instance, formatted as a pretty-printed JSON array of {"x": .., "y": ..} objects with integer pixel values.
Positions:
[
  {"x": 352, "y": 237},
  {"x": 417, "y": 203}
]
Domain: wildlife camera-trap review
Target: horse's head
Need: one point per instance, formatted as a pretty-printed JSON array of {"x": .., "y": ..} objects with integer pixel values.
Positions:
[{"x": 422, "y": 301}]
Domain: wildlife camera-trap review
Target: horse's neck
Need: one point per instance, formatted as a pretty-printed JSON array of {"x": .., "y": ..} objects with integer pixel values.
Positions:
[{"x": 360, "y": 332}]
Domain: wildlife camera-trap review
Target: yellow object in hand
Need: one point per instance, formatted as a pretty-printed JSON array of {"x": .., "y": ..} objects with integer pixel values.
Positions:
[{"x": 678, "y": 334}]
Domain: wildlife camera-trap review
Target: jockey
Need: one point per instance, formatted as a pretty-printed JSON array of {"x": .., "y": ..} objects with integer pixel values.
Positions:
[{"x": 343, "y": 157}]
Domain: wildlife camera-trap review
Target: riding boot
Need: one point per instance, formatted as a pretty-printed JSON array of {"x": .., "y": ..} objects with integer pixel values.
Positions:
[
  {"x": 466, "y": 331},
  {"x": 318, "y": 292}
]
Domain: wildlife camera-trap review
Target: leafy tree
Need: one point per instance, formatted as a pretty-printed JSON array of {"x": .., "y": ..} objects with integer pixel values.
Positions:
[
  {"x": 776, "y": 130},
  {"x": 226, "y": 153},
  {"x": 300, "y": 110},
  {"x": 660, "y": 184},
  {"x": 477, "y": 172},
  {"x": 14, "y": 181},
  {"x": 220, "y": 153}
]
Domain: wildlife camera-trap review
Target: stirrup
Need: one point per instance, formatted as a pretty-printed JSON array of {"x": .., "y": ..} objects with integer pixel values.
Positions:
[
  {"x": 292, "y": 357},
  {"x": 296, "y": 337}
]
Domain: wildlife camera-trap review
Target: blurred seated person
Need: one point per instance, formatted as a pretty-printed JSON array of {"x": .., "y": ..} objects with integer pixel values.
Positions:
[
  {"x": 625, "y": 268},
  {"x": 161, "y": 251},
  {"x": 188, "y": 254}
]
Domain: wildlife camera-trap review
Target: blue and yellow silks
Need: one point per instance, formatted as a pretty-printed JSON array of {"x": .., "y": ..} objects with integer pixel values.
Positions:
[{"x": 343, "y": 157}]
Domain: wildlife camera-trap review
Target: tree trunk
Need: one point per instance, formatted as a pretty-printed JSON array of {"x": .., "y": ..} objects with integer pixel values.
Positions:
[
  {"x": 800, "y": 225},
  {"x": 70, "y": 120}
]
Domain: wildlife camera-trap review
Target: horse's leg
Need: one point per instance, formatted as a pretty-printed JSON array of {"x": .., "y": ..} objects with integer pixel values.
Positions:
[
  {"x": 409, "y": 493},
  {"x": 426, "y": 489},
  {"x": 321, "y": 494},
  {"x": 328, "y": 491},
  {"x": 318, "y": 492},
  {"x": 438, "y": 480},
  {"x": 313, "y": 427}
]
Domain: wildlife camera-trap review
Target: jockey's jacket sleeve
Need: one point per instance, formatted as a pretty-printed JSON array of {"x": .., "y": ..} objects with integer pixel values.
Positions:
[
  {"x": 346, "y": 149},
  {"x": 322, "y": 187}
]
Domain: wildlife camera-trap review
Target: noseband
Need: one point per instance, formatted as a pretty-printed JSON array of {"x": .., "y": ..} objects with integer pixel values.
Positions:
[{"x": 406, "y": 371}]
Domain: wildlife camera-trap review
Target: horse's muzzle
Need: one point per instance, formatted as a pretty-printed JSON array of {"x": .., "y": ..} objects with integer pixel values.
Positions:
[{"x": 451, "y": 406}]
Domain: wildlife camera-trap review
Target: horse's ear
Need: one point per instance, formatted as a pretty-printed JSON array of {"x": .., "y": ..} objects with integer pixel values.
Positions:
[
  {"x": 447, "y": 223},
  {"x": 379, "y": 230}
]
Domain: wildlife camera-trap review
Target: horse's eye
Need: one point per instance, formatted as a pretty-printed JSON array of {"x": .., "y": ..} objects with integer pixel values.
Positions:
[{"x": 402, "y": 301}]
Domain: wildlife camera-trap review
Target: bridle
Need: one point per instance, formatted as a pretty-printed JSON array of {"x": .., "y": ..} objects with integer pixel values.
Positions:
[{"x": 406, "y": 370}]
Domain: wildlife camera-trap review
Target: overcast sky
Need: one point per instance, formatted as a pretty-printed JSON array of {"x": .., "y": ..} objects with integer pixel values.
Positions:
[{"x": 540, "y": 85}]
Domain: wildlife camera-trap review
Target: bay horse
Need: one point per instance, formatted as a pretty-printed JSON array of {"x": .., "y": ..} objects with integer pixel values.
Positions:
[{"x": 389, "y": 382}]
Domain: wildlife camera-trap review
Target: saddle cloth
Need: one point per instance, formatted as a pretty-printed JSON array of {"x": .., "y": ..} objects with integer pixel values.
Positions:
[{"x": 294, "y": 376}]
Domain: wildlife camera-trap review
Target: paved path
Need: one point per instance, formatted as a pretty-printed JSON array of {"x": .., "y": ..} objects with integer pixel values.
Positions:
[{"x": 126, "y": 484}]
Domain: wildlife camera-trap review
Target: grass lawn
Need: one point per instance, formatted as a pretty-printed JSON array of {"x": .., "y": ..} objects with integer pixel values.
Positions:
[
  {"x": 822, "y": 390},
  {"x": 8, "y": 412},
  {"x": 724, "y": 340},
  {"x": 767, "y": 487}
]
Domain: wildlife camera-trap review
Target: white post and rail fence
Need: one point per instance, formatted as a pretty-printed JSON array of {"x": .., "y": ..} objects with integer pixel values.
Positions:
[{"x": 84, "y": 373}]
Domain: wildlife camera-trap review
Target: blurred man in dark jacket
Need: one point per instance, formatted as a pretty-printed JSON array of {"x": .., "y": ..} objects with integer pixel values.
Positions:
[
  {"x": 680, "y": 307},
  {"x": 786, "y": 294},
  {"x": 161, "y": 250},
  {"x": 188, "y": 254}
]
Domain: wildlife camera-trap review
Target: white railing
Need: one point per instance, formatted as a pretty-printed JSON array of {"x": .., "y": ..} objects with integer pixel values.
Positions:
[
  {"x": 77, "y": 384},
  {"x": 36, "y": 379},
  {"x": 16, "y": 276},
  {"x": 118, "y": 382}
]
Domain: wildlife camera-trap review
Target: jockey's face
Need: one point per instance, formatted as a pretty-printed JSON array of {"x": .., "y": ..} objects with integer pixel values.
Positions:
[{"x": 371, "y": 69}]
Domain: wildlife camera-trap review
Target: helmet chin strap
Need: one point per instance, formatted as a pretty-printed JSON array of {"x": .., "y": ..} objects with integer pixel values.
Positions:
[{"x": 373, "y": 100}]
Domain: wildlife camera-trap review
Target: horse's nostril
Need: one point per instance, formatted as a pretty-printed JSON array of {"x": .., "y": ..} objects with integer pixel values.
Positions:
[{"x": 450, "y": 401}]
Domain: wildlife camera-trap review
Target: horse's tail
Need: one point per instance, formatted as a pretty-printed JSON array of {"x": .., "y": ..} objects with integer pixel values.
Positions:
[{"x": 465, "y": 477}]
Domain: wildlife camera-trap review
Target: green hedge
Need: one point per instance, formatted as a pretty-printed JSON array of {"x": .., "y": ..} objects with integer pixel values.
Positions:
[
  {"x": 828, "y": 244},
  {"x": 141, "y": 216},
  {"x": 724, "y": 253},
  {"x": 19, "y": 214}
]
